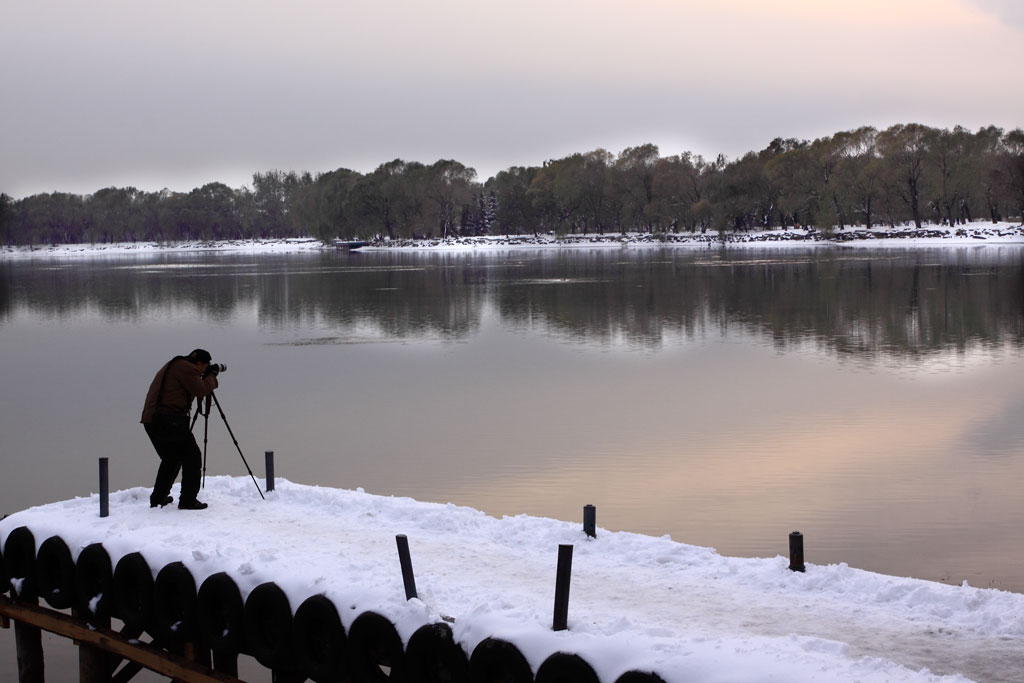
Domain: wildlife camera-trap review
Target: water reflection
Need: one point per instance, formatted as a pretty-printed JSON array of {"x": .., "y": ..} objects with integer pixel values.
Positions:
[
  {"x": 902, "y": 305},
  {"x": 726, "y": 397}
]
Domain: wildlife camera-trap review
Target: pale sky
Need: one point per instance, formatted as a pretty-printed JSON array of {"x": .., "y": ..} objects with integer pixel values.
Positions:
[{"x": 178, "y": 94}]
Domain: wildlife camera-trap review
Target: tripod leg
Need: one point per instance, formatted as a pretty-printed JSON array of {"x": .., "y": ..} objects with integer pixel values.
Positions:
[
  {"x": 225, "y": 419},
  {"x": 206, "y": 431}
]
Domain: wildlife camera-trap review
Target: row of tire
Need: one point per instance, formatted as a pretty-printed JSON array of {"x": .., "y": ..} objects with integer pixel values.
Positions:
[{"x": 310, "y": 641}]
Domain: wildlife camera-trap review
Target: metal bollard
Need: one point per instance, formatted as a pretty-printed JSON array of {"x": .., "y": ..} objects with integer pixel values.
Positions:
[
  {"x": 590, "y": 521},
  {"x": 562, "y": 579},
  {"x": 104, "y": 487},
  {"x": 406, "y": 561},
  {"x": 269, "y": 455},
  {"x": 796, "y": 552}
]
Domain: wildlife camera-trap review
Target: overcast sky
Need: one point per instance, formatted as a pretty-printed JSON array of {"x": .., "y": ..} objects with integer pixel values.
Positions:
[{"x": 178, "y": 94}]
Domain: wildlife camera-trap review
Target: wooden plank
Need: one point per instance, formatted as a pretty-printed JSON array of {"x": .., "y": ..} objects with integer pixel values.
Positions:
[
  {"x": 153, "y": 658},
  {"x": 92, "y": 664},
  {"x": 29, "y": 643},
  {"x": 195, "y": 652},
  {"x": 92, "y": 661}
]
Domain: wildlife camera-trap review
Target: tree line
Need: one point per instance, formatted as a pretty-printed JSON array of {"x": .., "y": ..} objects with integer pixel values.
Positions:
[{"x": 908, "y": 173}]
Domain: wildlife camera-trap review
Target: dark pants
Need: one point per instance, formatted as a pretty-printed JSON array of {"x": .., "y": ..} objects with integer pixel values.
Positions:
[{"x": 178, "y": 451}]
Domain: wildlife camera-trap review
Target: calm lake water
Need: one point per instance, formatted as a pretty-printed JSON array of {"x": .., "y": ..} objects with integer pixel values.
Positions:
[{"x": 872, "y": 399}]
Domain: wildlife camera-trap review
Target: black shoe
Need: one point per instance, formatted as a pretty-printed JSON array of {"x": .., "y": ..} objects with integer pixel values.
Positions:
[
  {"x": 153, "y": 502},
  {"x": 191, "y": 505}
]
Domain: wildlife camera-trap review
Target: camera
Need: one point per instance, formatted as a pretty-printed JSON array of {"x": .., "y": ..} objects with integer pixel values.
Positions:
[{"x": 215, "y": 369}]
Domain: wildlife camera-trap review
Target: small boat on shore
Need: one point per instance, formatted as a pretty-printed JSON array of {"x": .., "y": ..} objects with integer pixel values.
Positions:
[{"x": 349, "y": 245}]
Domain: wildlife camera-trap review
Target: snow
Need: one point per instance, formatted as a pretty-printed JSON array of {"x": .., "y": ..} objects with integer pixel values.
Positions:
[
  {"x": 279, "y": 246},
  {"x": 973, "y": 234},
  {"x": 636, "y": 601},
  {"x": 902, "y": 236}
]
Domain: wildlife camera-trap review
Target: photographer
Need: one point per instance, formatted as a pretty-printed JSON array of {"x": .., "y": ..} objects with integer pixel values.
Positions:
[{"x": 166, "y": 420}]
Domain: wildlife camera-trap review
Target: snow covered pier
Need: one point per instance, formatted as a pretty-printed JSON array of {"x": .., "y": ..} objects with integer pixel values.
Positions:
[{"x": 309, "y": 583}]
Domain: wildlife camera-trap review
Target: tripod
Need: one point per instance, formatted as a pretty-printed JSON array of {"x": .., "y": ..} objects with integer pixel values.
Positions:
[{"x": 206, "y": 429}]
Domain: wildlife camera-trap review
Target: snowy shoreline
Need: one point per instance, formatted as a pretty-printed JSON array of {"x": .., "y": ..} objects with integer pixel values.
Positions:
[
  {"x": 929, "y": 235},
  {"x": 974, "y": 234},
  {"x": 636, "y": 602}
]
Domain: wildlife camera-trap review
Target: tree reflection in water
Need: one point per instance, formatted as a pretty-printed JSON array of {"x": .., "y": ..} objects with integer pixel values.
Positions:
[{"x": 900, "y": 304}]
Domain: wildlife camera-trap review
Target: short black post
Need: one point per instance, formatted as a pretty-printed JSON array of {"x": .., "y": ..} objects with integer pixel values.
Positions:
[
  {"x": 104, "y": 487},
  {"x": 796, "y": 552},
  {"x": 562, "y": 579},
  {"x": 406, "y": 562},
  {"x": 590, "y": 521},
  {"x": 269, "y": 455}
]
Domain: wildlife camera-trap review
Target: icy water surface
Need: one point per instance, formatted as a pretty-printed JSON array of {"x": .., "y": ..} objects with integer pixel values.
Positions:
[{"x": 871, "y": 399}]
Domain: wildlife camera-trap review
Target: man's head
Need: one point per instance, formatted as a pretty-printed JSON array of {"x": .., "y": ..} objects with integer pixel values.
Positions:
[{"x": 200, "y": 356}]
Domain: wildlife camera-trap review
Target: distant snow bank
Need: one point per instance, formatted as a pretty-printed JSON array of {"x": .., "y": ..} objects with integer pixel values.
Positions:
[
  {"x": 930, "y": 235},
  {"x": 636, "y": 602},
  {"x": 283, "y": 246}
]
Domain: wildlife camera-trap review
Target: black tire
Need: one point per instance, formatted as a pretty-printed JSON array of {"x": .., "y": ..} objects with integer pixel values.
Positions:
[
  {"x": 220, "y": 614},
  {"x": 565, "y": 668},
  {"x": 5, "y": 578},
  {"x": 498, "y": 660},
  {"x": 639, "y": 677},
  {"x": 55, "y": 573},
  {"x": 373, "y": 648},
  {"x": 320, "y": 640},
  {"x": 174, "y": 605},
  {"x": 133, "y": 594},
  {"x": 20, "y": 557},
  {"x": 94, "y": 581},
  {"x": 433, "y": 656},
  {"x": 268, "y": 626}
]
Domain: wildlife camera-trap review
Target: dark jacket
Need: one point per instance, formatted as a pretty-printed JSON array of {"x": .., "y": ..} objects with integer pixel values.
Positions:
[{"x": 181, "y": 385}]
